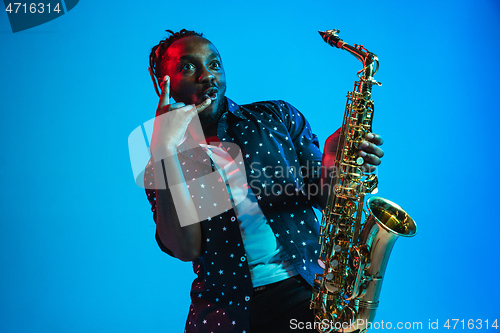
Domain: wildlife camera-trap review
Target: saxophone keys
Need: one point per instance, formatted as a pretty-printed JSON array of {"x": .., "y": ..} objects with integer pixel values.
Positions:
[
  {"x": 331, "y": 287},
  {"x": 348, "y": 315},
  {"x": 360, "y": 160}
]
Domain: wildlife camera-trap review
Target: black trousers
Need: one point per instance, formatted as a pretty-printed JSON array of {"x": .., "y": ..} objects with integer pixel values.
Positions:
[{"x": 281, "y": 306}]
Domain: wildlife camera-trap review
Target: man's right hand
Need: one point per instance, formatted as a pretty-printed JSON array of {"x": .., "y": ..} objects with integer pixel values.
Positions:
[
  {"x": 171, "y": 123},
  {"x": 169, "y": 128}
]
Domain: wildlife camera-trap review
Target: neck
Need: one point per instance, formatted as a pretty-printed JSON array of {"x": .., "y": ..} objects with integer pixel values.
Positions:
[
  {"x": 210, "y": 121},
  {"x": 210, "y": 131},
  {"x": 206, "y": 134}
]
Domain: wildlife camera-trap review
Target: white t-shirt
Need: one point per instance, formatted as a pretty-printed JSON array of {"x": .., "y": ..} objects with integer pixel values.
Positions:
[{"x": 267, "y": 259}]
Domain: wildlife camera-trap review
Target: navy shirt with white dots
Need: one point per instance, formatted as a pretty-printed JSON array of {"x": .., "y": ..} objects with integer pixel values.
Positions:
[{"x": 282, "y": 158}]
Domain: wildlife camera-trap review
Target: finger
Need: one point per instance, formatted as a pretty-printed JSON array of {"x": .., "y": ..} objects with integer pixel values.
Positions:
[
  {"x": 166, "y": 112},
  {"x": 176, "y": 106},
  {"x": 203, "y": 105},
  {"x": 375, "y": 138},
  {"x": 185, "y": 108},
  {"x": 370, "y": 158},
  {"x": 368, "y": 168},
  {"x": 371, "y": 148},
  {"x": 165, "y": 93}
]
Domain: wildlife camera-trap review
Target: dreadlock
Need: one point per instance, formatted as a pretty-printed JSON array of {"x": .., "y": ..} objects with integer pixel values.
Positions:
[{"x": 158, "y": 51}]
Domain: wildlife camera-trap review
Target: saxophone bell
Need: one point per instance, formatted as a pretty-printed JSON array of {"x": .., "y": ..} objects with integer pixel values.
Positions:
[
  {"x": 386, "y": 222},
  {"x": 391, "y": 217}
]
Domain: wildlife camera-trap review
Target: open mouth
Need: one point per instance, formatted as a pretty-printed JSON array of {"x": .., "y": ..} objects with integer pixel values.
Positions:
[{"x": 211, "y": 93}]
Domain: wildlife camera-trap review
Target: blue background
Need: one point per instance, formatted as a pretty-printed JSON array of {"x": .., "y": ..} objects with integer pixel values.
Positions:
[{"x": 77, "y": 248}]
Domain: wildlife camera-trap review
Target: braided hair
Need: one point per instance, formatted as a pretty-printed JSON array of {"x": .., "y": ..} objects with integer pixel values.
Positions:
[{"x": 158, "y": 52}]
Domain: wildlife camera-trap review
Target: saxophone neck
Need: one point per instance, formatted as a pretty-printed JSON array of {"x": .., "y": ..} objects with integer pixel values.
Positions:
[{"x": 368, "y": 59}]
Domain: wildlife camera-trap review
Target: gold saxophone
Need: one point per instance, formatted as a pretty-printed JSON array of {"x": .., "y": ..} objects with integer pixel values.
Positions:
[{"x": 354, "y": 253}]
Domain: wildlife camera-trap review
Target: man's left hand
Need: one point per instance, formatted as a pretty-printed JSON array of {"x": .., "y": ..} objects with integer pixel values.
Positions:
[{"x": 369, "y": 149}]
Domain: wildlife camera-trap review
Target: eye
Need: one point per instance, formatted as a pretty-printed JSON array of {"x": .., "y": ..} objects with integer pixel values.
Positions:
[
  {"x": 215, "y": 64},
  {"x": 187, "y": 67}
]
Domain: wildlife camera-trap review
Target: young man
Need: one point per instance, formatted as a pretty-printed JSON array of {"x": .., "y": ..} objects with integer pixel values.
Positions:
[{"x": 255, "y": 259}]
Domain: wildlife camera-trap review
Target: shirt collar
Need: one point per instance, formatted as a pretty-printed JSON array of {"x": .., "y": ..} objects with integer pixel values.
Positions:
[{"x": 234, "y": 109}]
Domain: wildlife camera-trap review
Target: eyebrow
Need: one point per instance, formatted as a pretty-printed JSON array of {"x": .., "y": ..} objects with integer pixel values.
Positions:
[{"x": 191, "y": 57}]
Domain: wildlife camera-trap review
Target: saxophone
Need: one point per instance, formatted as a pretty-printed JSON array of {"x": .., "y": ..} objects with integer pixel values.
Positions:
[{"x": 354, "y": 253}]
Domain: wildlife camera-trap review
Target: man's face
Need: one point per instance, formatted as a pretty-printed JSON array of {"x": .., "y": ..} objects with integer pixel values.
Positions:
[{"x": 196, "y": 73}]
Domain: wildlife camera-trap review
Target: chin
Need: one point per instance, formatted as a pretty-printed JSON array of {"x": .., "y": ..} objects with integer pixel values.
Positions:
[
  {"x": 213, "y": 112},
  {"x": 216, "y": 106},
  {"x": 220, "y": 103}
]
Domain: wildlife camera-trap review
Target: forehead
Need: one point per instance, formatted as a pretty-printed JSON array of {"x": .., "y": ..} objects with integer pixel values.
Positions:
[{"x": 193, "y": 46}]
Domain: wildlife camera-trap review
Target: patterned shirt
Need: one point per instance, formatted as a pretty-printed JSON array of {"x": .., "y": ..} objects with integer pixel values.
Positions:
[{"x": 281, "y": 158}]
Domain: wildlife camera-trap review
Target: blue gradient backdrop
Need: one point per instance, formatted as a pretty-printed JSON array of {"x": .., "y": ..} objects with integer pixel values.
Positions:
[{"x": 77, "y": 248}]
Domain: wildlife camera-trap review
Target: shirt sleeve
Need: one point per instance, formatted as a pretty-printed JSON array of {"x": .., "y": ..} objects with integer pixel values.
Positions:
[
  {"x": 151, "y": 195},
  {"x": 306, "y": 143}
]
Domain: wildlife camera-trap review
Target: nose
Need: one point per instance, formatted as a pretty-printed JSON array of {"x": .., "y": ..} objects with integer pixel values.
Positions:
[{"x": 206, "y": 75}]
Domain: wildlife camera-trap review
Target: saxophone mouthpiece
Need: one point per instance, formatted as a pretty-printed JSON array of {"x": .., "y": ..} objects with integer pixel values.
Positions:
[{"x": 331, "y": 37}]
